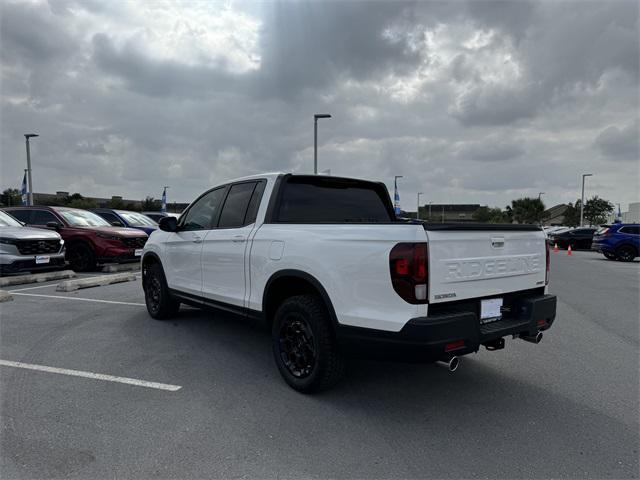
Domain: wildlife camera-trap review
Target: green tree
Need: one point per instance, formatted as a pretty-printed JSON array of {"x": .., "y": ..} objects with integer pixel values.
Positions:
[
  {"x": 78, "y": 201},
  {"x": 527, "y": 210},
  {"x": 11, "y": 197},
  {"x": 596, "y": 210},
  {"x": 572, "y": 214},
  {"x": 490, "y": 215},
  {"x": 150, "y": 204},
  {"x": 116, "y": 203}
]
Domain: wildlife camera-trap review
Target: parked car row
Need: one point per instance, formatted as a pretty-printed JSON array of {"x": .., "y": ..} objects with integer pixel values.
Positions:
[
  {"x": 619, "y": 241},
  {"x": 38, "y": 238}
]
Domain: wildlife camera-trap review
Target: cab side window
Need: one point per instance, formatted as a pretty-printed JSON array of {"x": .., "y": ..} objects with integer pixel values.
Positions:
[
  {"x": 111, "y": 218},
  {"x": 204, "y": 212},
  {"x": 22, "y": 215},
  {"x": 42, "y": 217}
]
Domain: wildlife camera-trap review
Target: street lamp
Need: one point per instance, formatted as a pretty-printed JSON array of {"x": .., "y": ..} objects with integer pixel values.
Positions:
[
  {"x": 27, "y": 136},
  {"x": 540, "y": 194},
  {"x": 418, "y": 207},
  {"x": 582, "y": 197},
  {"x": 315, "y": 139}
]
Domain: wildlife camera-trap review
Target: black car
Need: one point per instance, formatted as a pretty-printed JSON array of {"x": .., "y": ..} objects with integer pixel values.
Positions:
[{"x": 578, "y": 238}]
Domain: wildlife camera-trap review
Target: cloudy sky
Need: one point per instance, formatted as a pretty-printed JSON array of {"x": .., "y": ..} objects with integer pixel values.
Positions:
[{"x": 475, "y": 102}]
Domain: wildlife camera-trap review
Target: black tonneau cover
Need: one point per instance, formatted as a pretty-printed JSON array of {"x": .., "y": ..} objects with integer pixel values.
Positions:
[{"x": 482, "y": 226}]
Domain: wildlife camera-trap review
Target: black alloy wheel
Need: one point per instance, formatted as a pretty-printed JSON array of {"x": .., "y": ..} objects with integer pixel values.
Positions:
[
  {"x": 160, "y": 304},
  {"x": 297, "y": 348},
  {"x": 304, "y": 345},
  {"x": 626, "y": 253}
]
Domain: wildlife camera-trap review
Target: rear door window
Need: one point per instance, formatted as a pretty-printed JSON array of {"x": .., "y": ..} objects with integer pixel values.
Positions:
[
  {"x": 630, "y": 230},
  {"x": 236, "y": 205}
]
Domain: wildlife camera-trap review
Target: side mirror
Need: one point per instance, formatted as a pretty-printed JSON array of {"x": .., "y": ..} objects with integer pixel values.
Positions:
[
  {"x": 117, "y": 224},
  {"x": 53, "y": 225},
  {"x": 168, "y": 224}
]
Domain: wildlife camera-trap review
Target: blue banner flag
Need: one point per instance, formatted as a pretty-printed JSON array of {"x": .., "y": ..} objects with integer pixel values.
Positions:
[
  {"x": 163, "y": 209},
  {"x": 396, "y": 198},
  {"x": 23, "y": 189}
]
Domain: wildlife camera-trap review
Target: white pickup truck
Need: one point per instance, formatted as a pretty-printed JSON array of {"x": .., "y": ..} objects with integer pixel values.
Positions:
[{"x": 324, "y": 261}]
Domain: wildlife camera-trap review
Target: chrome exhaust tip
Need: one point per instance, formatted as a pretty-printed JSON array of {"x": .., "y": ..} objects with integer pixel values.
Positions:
[
  {"x": 450, "y": 364},
  {"x": 537, "y": 338}
]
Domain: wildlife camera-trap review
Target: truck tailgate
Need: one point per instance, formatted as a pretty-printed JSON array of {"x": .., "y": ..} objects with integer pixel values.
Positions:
[{"x": 470, "y": 262}]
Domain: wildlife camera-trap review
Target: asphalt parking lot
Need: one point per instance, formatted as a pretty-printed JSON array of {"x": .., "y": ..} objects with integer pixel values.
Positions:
[{"x": 566, "y": 408}]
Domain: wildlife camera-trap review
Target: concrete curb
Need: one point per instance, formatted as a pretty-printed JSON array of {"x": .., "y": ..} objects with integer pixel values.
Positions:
[
  {"x": 122, "y": 267},
  {"x": 5, "y": 296},
  {"x": 72, "y": 285},
  {"x": 36, "y": 278}
]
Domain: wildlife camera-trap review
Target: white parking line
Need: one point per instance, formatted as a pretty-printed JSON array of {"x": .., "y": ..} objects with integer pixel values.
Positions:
[
  {"x": 60, "y": 297},
  {"x": 95, "y": 376},
  {"x": 34, "y": 288}
]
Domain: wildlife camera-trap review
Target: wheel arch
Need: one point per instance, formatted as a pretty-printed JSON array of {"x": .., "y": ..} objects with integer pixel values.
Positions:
[{"x": 289, "y": 282}]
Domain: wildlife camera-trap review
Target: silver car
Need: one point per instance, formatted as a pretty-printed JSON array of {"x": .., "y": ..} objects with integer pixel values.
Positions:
[{"x": 24, "y": 249}]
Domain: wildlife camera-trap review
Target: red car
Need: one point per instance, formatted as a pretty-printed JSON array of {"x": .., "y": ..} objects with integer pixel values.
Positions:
[{"x": 89, "y": 239}]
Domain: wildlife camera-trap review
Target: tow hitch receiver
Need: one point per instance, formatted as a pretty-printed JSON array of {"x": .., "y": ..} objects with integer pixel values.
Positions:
[{"x": 497, "y": 344}]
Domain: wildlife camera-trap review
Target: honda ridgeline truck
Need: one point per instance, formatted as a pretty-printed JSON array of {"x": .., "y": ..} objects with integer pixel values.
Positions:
[{"x": 326, "y": 264}]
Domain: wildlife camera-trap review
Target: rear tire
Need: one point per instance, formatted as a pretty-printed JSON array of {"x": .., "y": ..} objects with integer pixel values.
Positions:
[
  {"x": 304, "y": 347},
  {"x": 610, "y": 255},
  {"x": 81, "y": 257},
  {"x": 160, "y": 304},
  {"x": 626, "y": 253}
]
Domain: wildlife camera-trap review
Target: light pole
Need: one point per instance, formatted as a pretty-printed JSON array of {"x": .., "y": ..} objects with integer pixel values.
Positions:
[
  {"x": 443, "y": 214},
  {"x": 430, "y": 210},
  {"x": 27, "y": 136},
  {"x": 418, "y": 207},
  {"x": 315, "y": 139},
  {"x": 540, "y": 195},
  {"x": 582, "y": 197}
]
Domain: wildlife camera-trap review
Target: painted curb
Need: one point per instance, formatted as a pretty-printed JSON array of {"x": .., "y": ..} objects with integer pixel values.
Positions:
[
  {"x": 73, "y": 285},
  {"x": 36, "y": 278},
  {"x": 5, "y": 296},
  {"x": 124, "y": 267}
]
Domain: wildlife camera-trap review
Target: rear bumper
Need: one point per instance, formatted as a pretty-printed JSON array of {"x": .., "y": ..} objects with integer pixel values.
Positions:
[
  {"x": 428, "y": 338},
  {"x": 601, "y": 247}
]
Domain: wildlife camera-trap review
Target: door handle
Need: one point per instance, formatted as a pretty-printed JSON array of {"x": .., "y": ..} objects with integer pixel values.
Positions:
[
  {"x": 238, "y": 238},
  {"x": 197, "y": 239}
]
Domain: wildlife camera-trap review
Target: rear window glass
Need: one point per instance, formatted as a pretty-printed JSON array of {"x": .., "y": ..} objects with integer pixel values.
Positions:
[{"x": 328, "y": 200}]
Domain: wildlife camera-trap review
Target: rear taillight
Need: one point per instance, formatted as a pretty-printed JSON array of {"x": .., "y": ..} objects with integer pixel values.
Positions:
[
  {"x": 408, "y": 267},
  {"x": 546, "y": 275}
]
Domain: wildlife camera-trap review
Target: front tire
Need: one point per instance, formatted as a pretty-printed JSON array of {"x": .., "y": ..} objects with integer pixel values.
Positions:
[
  {"x": 160, "y": 304},
  {"x": 626, "y": 253},
  {"x": 304, "y": 347},
  {"x": 81, "y": 257}
]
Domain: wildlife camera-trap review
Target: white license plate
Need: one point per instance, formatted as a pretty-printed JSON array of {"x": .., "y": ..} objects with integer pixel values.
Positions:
[
  {"x": 490, "y": 310},
  {"x": 138, "y": 252},
  {"x": 40, "y": 259}
]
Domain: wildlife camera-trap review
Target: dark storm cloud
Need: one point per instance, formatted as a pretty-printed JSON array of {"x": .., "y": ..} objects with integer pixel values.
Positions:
[
  {"x": 31, "y": 35},
  {"x": 470, "y": 101}
]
